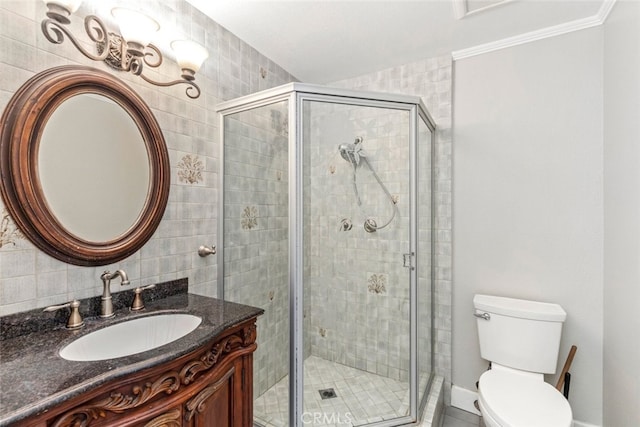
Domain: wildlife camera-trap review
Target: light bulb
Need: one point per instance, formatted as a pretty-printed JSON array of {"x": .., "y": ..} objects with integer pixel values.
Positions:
[
  {"x": 189, "y": 55},
  {"x": 68, "y": 5},
  {"x": 136, "y": 28}
]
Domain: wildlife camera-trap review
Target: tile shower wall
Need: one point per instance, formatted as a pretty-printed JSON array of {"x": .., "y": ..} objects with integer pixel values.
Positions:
[
  {"x": 31, "y": 279},
  {"x": 431, "y": 80},
  {"x": 256, "y": 235},
  {"x": 359, "y": 290}
]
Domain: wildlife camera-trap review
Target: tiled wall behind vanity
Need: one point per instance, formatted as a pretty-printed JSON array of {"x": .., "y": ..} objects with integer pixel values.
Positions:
[
  {"x": 430, "y": 79},
  {"x": 31, "y": 279}
]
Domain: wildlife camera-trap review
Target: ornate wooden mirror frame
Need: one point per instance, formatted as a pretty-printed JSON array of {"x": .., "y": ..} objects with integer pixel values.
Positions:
[{"x": 21, "y": 128}]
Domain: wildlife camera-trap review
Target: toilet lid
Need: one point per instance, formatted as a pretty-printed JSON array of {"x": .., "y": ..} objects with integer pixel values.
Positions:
[{"x": 519, "y": 401}]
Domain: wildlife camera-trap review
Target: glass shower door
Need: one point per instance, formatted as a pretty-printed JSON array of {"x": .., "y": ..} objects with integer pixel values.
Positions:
[
  {"x": 358, "y": 281},
  {"x": 255, "y": 243},
  {"x": 326, "y": 224}
]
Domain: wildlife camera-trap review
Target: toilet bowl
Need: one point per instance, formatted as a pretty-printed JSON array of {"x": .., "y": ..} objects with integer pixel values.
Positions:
[
  {"x": 514, "y": 399},
  {"x": 521, "y": 339}
]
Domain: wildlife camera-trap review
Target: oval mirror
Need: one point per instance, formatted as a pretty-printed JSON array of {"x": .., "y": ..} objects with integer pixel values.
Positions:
[
  {"x": 85, "y": 169},
  {"x": 93, "y": 171}
]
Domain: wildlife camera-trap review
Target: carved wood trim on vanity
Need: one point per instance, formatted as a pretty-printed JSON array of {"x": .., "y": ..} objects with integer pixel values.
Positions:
[
  {"x": 118, "y": 402},
  {"x": 210, "y": 358},
  {"x": 197, "y": 404},
  {"x": 170, "y": 419},
  {"x": 161, "y": 396}
]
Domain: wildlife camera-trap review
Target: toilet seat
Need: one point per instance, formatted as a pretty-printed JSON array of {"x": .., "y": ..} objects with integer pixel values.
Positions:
[{"x": 513, "y": 400}]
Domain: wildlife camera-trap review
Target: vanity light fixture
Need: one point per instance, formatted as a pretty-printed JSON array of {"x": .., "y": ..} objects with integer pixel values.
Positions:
[{"x": 130, "y": 50}]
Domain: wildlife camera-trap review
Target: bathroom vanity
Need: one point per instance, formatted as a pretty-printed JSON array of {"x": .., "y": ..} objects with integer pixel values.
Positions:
[{"x": 202, "y": 379}]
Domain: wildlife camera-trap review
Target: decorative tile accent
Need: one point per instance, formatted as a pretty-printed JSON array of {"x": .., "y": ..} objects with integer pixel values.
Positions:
[
  {"x": 249, "y": 218},
  {"x": 190, "y": 169},
  {"x": 378, "y": 283},
  {"x": 367, "y": 128},
  {"x": 279, "y": 122},
  {"x": 9, "y": 233}
]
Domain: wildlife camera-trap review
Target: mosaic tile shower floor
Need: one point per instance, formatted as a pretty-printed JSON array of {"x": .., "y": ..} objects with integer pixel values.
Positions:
[{"x": 362, "y": 397}]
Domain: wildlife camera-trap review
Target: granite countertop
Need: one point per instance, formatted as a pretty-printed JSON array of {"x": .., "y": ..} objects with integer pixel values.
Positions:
[{"x": 34, "y": 378}]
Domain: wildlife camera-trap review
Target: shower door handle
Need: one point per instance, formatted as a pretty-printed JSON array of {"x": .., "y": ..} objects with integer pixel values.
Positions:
[{"x": 407, "y": 260}]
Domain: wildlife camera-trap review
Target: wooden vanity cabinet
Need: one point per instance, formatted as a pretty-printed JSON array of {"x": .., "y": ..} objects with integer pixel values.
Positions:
[{"x": 210, "y": 387}]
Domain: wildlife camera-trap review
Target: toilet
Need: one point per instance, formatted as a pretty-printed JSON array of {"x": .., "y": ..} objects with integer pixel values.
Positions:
[{"x": 521, "y": 339}]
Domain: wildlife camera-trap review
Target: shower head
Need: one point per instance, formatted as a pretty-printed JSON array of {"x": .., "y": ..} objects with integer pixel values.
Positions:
[
  {"x": 352, "y": 152},
  {"x": 346, "y": 151}
]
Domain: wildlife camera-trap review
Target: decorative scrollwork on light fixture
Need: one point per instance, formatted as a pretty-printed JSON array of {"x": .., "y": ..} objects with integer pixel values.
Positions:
[{"x": 130, "y": 51}]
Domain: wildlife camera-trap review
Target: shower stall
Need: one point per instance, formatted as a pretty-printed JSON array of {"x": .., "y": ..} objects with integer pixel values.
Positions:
[{"x": 326, "y": 223}]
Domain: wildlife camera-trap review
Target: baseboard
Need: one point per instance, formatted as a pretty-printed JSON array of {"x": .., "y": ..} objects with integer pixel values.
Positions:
[{"x": 463, "y": 399}]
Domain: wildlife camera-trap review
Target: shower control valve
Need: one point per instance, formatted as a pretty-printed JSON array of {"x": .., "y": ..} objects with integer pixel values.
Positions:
[{"x": 345, "y": 224}]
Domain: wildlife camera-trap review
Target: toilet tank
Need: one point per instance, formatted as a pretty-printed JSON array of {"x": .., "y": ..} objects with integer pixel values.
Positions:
[{"x": 518, "y": 333}]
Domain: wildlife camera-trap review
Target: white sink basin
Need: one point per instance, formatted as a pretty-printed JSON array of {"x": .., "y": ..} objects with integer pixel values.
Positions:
[{"x": 130, "y": 337}]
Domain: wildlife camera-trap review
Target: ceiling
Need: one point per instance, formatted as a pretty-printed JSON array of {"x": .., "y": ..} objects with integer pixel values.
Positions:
[{"x": 322, "y": 41}]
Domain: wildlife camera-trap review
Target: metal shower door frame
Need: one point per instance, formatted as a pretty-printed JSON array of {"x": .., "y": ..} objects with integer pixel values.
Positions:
[
  {"x": 296, "y": 94},
  {"x": 296, "y": 170}
]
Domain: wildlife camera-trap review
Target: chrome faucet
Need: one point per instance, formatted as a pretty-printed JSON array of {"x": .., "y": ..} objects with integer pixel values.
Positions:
[{"x": 106, "y": 306}]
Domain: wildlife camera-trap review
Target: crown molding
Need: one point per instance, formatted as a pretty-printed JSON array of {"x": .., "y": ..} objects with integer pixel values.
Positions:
[
  {"x": 459, "y": 8},
  {"x": 605, "y": 9},
  {"x": 579, "y": 24}
]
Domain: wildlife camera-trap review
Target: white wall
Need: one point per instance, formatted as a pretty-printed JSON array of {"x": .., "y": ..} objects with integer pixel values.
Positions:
[
  {"x": 622, "y": 215},
  {"x": 528, "y": 197}
]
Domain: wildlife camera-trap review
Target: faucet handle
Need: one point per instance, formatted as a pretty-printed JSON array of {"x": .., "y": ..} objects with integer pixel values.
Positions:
[
  {"x": 138, "y": 302},
  {"x": 75, "y": 319}
]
